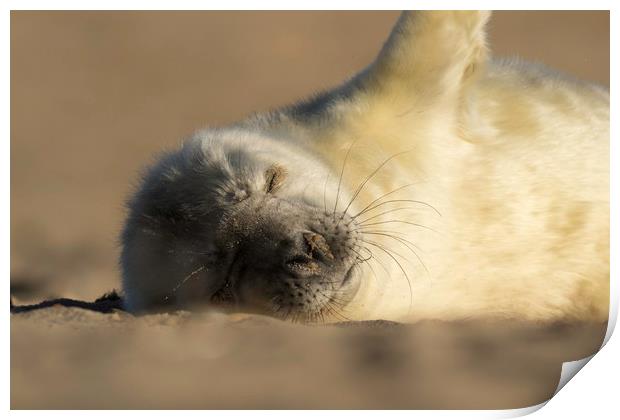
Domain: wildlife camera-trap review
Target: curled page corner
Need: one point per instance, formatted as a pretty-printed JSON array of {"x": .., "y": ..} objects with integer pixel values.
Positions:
[
  {"x": 520, "y": 412},
  {"x": 570, "y": 369},
  {"x": 613, "y": 313}
]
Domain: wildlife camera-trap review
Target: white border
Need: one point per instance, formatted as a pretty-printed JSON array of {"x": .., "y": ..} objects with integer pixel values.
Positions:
[{"x": 593, "y": 394}]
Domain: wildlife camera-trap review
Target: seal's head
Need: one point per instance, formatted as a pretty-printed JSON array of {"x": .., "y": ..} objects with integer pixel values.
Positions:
[{"x": 237, "y": 220}]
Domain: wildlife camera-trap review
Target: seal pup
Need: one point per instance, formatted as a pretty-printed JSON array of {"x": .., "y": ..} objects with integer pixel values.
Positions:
[{"x": 436, "y": 183}]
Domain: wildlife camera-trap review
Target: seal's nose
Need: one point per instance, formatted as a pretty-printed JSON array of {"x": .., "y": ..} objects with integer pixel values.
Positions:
[
  {"x": 317, "y": 246},
  {"x": 311, "y": 260}
]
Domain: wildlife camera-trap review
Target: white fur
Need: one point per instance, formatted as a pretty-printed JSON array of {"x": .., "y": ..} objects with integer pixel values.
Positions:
[{"x": 514, "y": 157}]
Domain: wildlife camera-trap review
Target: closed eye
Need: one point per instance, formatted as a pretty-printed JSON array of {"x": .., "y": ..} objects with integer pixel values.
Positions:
[{"x": 274, "y": 178}]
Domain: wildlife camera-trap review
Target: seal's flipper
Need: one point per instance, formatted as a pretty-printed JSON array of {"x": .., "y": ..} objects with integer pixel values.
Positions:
[
  {"x": 427, "y": 62},
  {"x": 430, "y": 54}
]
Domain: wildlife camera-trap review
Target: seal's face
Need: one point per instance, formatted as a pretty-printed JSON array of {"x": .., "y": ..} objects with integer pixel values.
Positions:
[
  {"x": 284, "y": 257},
  {"x": 242, "y": 224}
]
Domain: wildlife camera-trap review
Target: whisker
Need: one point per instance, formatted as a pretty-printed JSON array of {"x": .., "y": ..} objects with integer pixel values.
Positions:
[
  {"x": 333, "y": 298},
  {"x": 388, "y": 212},
  {"x": 333, "y": 308},
  {"x": 364, "y": 225},
  {"x": 372, "y": 270},
  {"x": 378, "y": 261},
  {"x": 366, "y": 260},
  {"x": 338, "y": 300},
  {"x": 327, "y": 304},
  {"x": 369, "y": 177},
  {"x": 359, "y": 254},
  {"x": 344, "y": 163},
  {"x": 401, "y": 269},
  {"x": 383, "y": 196},
  {"x": 398, "y": 254},
  {"x": 397, "y": 234},
  {"x": 360, "y": 257},
  {"x": 182, "y": 282},
  {"x": 404, "y": 242},
  {"x": 311, "y": 317},
  {"x": 399, "y": 201},
  {"x": 364, "y": 222},
  {"x": 331, "y": 313},
  {"x": 288, "y": 313}
]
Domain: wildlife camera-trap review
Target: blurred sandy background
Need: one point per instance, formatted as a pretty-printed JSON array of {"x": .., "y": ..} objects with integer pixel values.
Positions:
[{"x": 94, "y": 95}]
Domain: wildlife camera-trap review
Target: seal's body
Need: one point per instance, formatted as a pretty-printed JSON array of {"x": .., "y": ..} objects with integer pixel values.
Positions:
[{"x": 434, "y": 184}]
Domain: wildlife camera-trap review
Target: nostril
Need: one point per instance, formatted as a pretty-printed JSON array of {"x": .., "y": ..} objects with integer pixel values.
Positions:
[
  {"x": 302, "y": 266},
  {"x": 317, "y": 246},
  {"x": 299, "y": 260}
]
